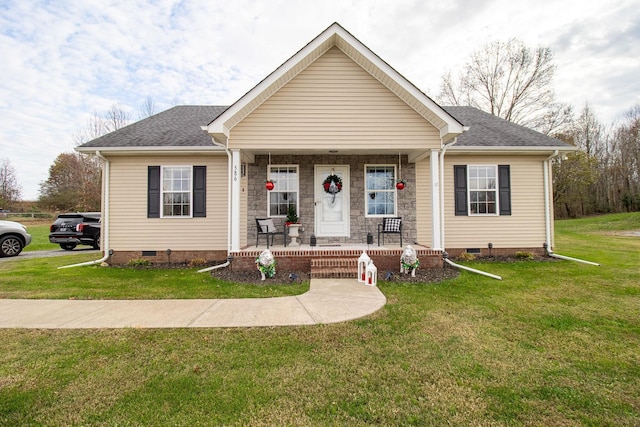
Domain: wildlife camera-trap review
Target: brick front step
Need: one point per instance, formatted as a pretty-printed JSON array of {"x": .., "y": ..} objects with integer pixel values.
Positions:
[
  {"x": 334, "y": 268},
  {"x": 335, "y": 273}
]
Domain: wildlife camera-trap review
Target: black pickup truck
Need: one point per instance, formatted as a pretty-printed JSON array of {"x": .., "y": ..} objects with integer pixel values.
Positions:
[{"x": 72, "y": 229}]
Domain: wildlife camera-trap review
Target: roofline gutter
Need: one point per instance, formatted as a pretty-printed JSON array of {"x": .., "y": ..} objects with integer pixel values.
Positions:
[
  {"x": 509, "y": 149},
  {"x": 104, "y": 220},
  {"x": 151, "y": 150}
]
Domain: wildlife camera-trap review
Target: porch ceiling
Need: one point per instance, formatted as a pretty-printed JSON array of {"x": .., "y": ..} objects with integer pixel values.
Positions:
[{"x": 413, "y": 155}]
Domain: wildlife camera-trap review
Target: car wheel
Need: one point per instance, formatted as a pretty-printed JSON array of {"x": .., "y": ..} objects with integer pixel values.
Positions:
[
  {"x": 96, "y": 242},
  {"x": 10, "y": 246},
  {"x": 68, "y": 246}
]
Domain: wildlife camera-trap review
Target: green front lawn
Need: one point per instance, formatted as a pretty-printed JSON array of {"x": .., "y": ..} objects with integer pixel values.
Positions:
[
  {"x": 41, "y": 278},
  {"x": 554, "y": 343}
]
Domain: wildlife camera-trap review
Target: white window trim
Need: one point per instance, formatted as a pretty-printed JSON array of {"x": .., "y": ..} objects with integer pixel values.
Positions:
[
  {"x": 162, "y": 191},
  {"x": 366, "y": 192},
  {"x": 297, "y": 191},
  {"x": 469, "y": 190}
]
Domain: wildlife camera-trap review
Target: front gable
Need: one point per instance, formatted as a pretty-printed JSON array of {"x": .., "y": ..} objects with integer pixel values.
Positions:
[
  {"x": 334, "y": 104},
  {"x": 336, "y": 37}
]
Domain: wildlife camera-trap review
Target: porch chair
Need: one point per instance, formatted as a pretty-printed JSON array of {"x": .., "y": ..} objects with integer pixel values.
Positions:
[
  {"x": 266, "y": 227},
  {"x": 390, "y": 225}
]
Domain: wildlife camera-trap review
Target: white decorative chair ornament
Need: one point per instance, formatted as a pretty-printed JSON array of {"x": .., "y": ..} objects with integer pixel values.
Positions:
[{"x": 409, "y": 261}]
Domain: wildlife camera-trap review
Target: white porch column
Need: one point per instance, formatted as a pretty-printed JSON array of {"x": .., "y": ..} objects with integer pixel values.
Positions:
[
  {"x": 436, "y": 242},
  {"x": 235, "y": 200}
]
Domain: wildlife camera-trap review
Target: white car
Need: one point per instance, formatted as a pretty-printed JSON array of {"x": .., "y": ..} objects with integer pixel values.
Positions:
[{"x": 13, "y": 238}]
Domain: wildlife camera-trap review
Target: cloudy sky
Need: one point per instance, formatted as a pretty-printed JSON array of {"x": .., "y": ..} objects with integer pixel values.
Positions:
[{"x": 63, "y": 60}]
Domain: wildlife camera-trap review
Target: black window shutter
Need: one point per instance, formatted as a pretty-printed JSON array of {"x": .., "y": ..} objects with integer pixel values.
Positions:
[
  {"x": 504, "y": 186},
  {"x": 460, "y": 185},
  {"x": 153, "y": 192},
  {"x": 199, "y": 191}
]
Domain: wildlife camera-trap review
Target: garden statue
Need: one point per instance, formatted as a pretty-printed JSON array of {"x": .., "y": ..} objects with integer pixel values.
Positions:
[
  {"x": 266, "y": 264},
  {"x": 409, "y": 261}
]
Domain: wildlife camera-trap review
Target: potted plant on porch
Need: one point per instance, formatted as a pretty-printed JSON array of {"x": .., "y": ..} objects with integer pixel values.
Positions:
[
  {"x": 292, "y": 223},
  {"x": 292, "y": 215}
]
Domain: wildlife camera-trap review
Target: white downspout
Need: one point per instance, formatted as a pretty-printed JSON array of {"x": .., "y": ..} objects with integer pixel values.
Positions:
[
  {"x": 547, "y": 195},
  {"x": 105, "y": 217},
  {"x": 229, "y": 203},
  {"x": 215, "y": 267},
  {"x": 473, "y": 270},
  {"x": 442, "y": 210},
  {"x": 443, "y": 151}
]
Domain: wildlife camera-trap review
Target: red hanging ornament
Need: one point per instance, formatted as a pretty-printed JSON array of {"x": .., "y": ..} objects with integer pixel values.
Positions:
[
  {"x": 400, "y": 185},
  {"x": 269, "y": 185}
]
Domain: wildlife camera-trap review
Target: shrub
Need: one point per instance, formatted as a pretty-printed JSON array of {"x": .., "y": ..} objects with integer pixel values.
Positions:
[
  {"x": 524, "y": 255},
  {"x": 466, "y": 256},
  {"x": 197, "y": 262},
  {"x": 138, "y": 262}
]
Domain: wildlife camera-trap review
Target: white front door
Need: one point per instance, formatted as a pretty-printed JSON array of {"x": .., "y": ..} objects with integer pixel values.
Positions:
[{"x": 332, "y": 206}]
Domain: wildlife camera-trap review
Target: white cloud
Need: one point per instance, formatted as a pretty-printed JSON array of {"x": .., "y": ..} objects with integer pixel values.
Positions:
[{"x": 64, "y": 60}]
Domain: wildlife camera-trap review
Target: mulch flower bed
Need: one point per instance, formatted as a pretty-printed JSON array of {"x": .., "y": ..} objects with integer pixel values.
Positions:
[{"x": 426, "y": 275}]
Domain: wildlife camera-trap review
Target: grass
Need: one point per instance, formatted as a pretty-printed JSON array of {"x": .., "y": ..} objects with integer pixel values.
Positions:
[
  {"x": 554, "y": 343},
  {"x": 39, "y": 230},
  {"x": 40, "y": 278}
]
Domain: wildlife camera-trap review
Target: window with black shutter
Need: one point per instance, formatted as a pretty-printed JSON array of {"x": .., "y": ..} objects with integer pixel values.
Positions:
[
  {"x": 460, "y": 185},
  {"x": 176, "y": 191}
]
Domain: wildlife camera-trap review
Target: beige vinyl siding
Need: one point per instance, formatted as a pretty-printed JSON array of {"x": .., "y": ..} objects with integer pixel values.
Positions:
[
  {"x": 131, "y": 230},
  {"x": 423, "y": 203},
  {"x": 524, "y": 228},
  {"x": 334, "y": 102}
]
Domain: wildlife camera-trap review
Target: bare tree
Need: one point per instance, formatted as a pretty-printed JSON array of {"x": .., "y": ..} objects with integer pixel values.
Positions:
[
  {"x": 589, "y": 132},
  {"x": 148, "y": 108},
  {"x": 10, "y": 189},
  {"x": 117, "y": 118},
  {"x": 625, "y": 149},
  {"x": 508, "y": 80},
  {"x": 95, "y": 127},
  {"x": 573, "y": 179}
]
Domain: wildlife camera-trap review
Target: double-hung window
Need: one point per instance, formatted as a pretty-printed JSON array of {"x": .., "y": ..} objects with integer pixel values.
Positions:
[
  {"x": 482, "y": 189},
  {"x": 380, "y": 190},
  {"x": 285, "y": 192},
  {"x": 176, "y": 191}
]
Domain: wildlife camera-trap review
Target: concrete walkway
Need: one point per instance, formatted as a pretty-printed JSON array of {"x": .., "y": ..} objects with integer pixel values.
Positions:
[{"x": 327, "y": 301}]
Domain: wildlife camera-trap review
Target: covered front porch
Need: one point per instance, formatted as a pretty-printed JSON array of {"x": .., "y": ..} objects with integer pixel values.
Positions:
[{"x": 349, "y": 217}]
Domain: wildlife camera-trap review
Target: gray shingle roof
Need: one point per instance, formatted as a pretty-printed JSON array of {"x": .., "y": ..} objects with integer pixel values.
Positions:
[
  {"x": 176, "y": 127},
  {"x": 487, "y": 130},
  {"x": 180, "y": 127}
]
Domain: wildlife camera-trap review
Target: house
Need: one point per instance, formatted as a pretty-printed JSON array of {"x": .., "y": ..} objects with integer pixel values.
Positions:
[{"x": 190, "y": 182}]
